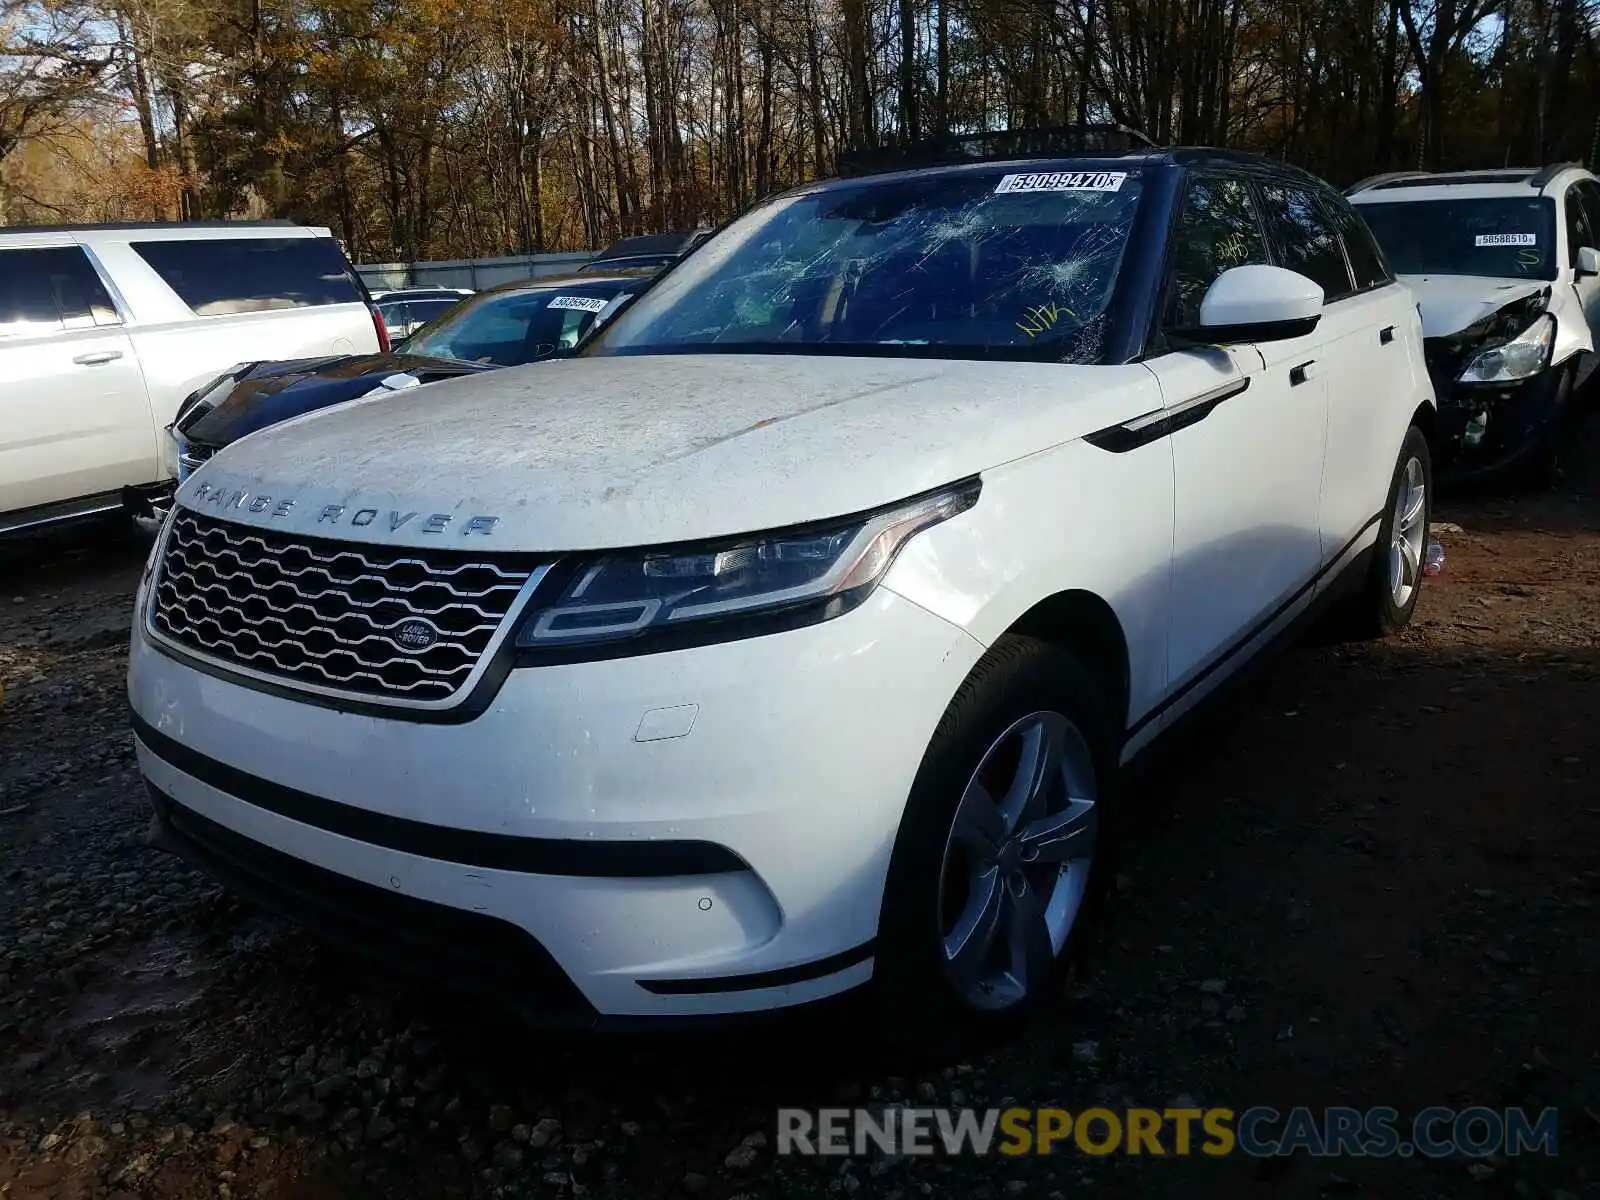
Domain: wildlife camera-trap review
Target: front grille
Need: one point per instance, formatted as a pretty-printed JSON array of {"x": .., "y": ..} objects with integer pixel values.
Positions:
[
  {"x": 191, "y": 457},
  {"x": 401, "y": 625}
]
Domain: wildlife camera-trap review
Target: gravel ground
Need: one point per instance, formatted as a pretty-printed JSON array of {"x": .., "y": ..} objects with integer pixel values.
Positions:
[{"x": 1372, "y": 878}]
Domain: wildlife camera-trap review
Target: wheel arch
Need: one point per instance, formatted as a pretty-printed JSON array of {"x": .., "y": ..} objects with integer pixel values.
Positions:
[
  {"x": 1084, "y": 625},
  {"x": 1426, "y": 418}
]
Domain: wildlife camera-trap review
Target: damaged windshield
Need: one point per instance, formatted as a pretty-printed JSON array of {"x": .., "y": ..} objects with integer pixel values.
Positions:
[
  {"x": 512, "y": 328},
  {"x": 1503, "y": 237},
  {"x": 968, "y": 264}
]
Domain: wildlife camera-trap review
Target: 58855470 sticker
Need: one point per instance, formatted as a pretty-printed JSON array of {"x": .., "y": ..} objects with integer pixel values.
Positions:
[{"x": 1063, "y": 181}]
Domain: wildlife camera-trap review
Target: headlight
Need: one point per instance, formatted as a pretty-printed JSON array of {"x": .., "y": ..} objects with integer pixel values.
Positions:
[
  {"x": 730, "y": 588},
  {"x": 1523, "y": 356},
  {"x": 157, "y": 542}
]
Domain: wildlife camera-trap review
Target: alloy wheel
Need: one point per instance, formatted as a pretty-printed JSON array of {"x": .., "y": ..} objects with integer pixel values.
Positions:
[
  {"x": 1017, "y": 860},
  {"x": 1408, "y": 536}
]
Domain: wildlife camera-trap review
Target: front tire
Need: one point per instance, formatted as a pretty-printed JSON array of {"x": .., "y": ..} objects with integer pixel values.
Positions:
[
  {"x": 1388, "y": 595},
  {"x": 993, "y": 864}
]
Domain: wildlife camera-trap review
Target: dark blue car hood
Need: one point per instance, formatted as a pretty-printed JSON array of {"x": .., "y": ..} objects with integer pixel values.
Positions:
[{"x": 269, "y": 392}]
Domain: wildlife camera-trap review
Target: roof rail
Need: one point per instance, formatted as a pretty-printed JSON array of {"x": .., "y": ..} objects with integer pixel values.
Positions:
[
  {"x": 1372, "y": 181},
  {"x": 111, "y": 226},
  {"x": 1545, "y": 174},
  {"x": 952, "y": 148}
]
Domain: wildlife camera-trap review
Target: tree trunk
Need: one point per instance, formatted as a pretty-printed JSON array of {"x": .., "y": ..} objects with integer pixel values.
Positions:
[
  {"x": 139, "y": 85},
  {"x": 910, "y": 122},
  {"x": 857, "y": 38},
  {"x": 1387, "y": 101}
]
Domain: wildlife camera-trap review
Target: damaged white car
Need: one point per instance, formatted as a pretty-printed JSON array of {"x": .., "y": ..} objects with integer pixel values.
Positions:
[
  {"x": 788, "y": 639},
  {"x": 1506, "y": 266}
]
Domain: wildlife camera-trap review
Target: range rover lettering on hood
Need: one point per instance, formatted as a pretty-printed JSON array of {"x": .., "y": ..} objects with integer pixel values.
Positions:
[{"x": 393, "y": 520}]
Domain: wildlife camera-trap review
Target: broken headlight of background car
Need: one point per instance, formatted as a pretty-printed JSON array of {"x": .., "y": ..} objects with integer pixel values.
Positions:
[
  {"x": 733, "y": 587},
  {"x": 1521, "y": 357}
]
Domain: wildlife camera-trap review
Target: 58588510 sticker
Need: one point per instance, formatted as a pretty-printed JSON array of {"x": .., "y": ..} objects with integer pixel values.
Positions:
[
  {"x": 1484, "y": 240},
  {"x": 1063, "y": 181}
]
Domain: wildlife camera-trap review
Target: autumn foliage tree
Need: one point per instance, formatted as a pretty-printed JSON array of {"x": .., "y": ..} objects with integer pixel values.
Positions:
[{"x": 443, "y": 128}]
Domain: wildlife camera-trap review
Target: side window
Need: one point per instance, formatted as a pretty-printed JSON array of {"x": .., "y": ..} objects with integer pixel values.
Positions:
[
  {"x": 53, "y": 288},
  {"x": 574, "y": 327},
  {"x": 1307, "y": 241},
  {"x": 428, "y": 310},
  {"x": 220, "y": 276},
  {"x": 1580, "y": 228},
  {"x": 1216, "y": 231},
  {"x": 1590, "y": 191},
  {"x": 1366, "y": 260}
]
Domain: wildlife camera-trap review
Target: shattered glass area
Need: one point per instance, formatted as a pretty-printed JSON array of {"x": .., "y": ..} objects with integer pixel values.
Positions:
[{"x": 944, "y": 267}]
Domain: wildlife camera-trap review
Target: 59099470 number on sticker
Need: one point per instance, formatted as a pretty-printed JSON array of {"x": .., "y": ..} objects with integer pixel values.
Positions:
[{"x": 1063, "y": 181}]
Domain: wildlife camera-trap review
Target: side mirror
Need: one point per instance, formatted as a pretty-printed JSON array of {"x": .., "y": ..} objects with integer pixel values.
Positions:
[
  {"x": 1588, "y": 261},
  {"x": 1256, "y": 303}
]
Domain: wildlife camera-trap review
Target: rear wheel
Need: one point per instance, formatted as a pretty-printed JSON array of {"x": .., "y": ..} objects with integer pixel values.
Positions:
[{"x": 993, "y": 865}]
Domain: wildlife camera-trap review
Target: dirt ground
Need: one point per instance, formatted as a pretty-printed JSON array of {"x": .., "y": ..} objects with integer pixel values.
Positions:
[{"x": 1370, "y": 879}]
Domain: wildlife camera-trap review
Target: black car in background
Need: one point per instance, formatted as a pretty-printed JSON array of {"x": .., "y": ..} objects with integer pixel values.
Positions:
[
  {"x": 527, "y": 321},
  {"x": 654, "y": 251}
]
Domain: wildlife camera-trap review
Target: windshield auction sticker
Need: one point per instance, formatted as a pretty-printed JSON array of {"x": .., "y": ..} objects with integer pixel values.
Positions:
[
  {"x": 1064, "y": 181},
  {"x": 1484, "y": 240},
  {"x": 584, "y": 303}
]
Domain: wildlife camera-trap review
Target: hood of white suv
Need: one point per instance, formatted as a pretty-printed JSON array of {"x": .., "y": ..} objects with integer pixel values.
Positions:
[
  {"x": 628, "y": 451},
  {"x": 1450, "y": 303}
]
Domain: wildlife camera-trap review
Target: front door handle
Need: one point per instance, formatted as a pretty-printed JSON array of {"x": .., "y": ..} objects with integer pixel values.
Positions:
[
  {"x": 1386, "y": 334},
  {"x": 98, "y": 357},
  {"x": 1302, "y": 373}
]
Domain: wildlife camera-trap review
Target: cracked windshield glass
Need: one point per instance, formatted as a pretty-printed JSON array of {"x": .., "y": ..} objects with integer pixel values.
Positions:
[{"x": 982, "y": 265}]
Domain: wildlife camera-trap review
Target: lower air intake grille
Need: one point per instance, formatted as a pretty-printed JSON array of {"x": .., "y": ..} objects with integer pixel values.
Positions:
[{"x": 404, "y": 625}]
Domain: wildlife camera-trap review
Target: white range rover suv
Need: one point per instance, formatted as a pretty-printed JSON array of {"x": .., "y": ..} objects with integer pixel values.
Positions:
[
  {"x": 105, "y": 329},
  {"x": 790, "y": 636}
]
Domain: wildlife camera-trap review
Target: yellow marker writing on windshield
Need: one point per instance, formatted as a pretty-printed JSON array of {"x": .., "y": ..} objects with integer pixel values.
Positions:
[{"x": 1040, "y": 318}]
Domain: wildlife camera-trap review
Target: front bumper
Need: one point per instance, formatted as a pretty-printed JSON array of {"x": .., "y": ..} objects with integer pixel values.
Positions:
[
  {"x": 149, "y": 506},
  {"x": 691, "y": 833},
  {"x": 1487, "y": 430},
  {"x": 482, "y": 955},
  {"x": 189, "y": 456}
]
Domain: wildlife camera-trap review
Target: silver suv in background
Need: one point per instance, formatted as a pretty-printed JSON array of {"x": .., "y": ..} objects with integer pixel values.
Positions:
[
  {"x": 105, "y": 329},
  {"x": 1506, "y": 266},
  {"x": 407, "y": 310}
]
